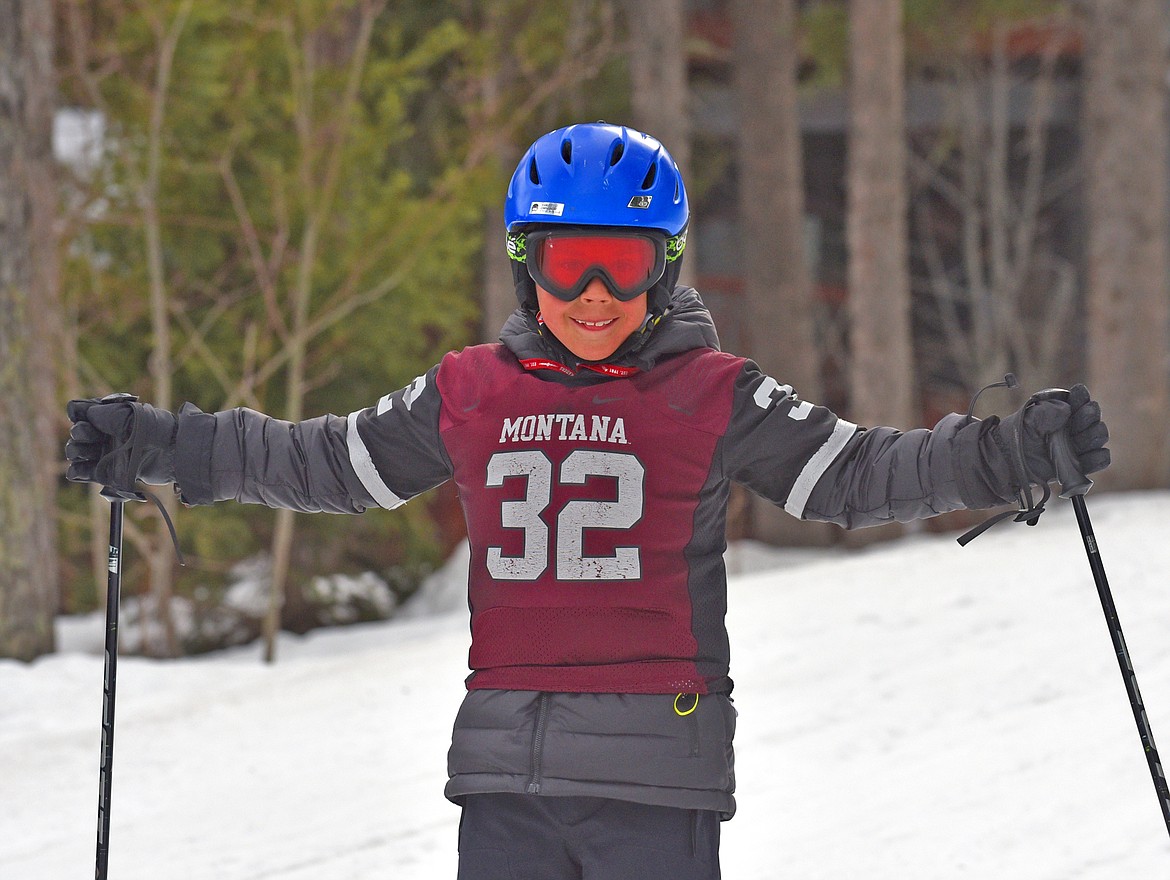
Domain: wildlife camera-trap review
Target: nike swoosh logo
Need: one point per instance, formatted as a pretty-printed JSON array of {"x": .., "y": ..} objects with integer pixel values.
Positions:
[{"x": 599, "y": 400}]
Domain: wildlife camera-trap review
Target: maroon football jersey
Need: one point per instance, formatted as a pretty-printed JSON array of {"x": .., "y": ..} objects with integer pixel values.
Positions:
[{"x": 580, "y": 505}]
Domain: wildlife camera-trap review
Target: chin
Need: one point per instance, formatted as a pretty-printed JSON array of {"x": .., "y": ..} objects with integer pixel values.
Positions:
[
  {"x": 594, "y": 353},
  {"x": 593, "y": 356}
]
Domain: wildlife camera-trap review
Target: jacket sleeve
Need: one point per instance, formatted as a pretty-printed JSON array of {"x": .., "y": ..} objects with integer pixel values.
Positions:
[
  {"x": 883, "y": 474},
  {"x": 380, "y": 456},
  {"x": 820, "y": 467}
]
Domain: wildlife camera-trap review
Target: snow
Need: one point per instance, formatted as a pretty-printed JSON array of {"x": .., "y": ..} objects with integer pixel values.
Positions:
[{"x": 909, "y": 712}]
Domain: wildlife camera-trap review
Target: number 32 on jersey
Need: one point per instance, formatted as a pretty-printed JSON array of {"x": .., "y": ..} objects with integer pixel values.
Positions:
[{"x": 623, "y": 512}]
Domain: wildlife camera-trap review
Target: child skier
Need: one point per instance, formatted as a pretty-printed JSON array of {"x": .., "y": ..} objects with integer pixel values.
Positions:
[{"x": 593, "y": 450}]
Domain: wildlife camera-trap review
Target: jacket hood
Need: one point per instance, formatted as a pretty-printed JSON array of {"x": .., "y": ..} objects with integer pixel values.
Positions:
[{"x": 685, "y": 324}]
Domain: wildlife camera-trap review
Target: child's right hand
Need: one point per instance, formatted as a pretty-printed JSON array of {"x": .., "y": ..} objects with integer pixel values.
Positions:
[{"x": 116, "y": 441}]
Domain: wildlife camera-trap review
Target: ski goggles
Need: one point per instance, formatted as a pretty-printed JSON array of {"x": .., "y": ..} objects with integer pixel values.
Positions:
[{"x": 564, "y": 261}]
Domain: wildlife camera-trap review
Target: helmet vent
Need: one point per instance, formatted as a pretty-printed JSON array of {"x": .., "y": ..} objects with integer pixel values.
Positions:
[
  {"x": 533, "y": 173},
  {"x": 651, "y": 174},
  {"x": 567, "y": 151},
  {"x": 618, "y": 149}
]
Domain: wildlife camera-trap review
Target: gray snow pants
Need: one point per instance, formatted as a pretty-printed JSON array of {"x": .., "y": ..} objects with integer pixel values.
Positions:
[{"x": 529, "y": 837}]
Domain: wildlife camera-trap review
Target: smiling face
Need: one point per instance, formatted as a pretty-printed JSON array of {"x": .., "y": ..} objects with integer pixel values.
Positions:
[{"x": 594, "y": 325}]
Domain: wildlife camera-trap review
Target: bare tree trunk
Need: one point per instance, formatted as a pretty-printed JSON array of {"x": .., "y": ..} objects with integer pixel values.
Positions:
[
  {"x": 1128, "y": 307},
  {"x": 656, "y": 55},
  {"x": 881, "y": 355},
  {"x": 881, "y": 347},
  {"x": 777, "y": 288},
  {"x": 657, "y": 60},
  {"x": 28, "y": 571},
  {"x": 40, "y": 176},
  {"x": 778, "y": 296},
  {"x": 499, "y": 292}
]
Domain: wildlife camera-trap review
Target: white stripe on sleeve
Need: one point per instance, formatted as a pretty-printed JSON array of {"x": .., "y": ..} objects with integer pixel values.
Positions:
[
  {"x": 816, "y": 466},
  {"x": 363, "y": 464}
]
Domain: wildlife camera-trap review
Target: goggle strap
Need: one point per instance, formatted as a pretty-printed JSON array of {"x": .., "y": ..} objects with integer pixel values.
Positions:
[
  {"x": 517, "y": 244},
  {"x": 518, "y": 247}
]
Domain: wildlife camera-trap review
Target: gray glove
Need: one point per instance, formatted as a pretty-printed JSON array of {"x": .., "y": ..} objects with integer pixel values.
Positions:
[
  {"x": 116, "y": 442},
  {"x": 1025, "y": 433}
]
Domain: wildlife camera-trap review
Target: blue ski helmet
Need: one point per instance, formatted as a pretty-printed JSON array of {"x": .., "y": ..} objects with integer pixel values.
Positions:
[{"x": 597, "y": 174}]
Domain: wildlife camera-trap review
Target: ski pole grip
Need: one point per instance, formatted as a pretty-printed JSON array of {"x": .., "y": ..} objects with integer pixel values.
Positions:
[
  {"x": 1068, "y": 472},
  {"x": 1068, "y": 468},
  {"x": 108, "y": 492}
]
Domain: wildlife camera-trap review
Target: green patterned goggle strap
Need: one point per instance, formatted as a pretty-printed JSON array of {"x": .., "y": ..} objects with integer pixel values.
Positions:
[{"x": 518, "y": 246}]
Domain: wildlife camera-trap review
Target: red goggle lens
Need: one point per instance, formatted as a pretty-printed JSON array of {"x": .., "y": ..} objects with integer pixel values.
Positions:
[{"x": 564, "y": 264}]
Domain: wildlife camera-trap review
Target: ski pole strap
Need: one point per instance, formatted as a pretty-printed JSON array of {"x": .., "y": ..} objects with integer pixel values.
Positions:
[
  {"x": 1028, "y": 512},
  {"x": 1029, "y": 515},
  {"x": 111, "y": 494},
  {"x": 170, "y": 526}
]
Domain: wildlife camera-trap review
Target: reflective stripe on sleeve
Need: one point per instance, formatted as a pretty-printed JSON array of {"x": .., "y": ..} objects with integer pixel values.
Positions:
[
  {"x": 363, "y": 464},
  {"x": 816, "y": 466}
]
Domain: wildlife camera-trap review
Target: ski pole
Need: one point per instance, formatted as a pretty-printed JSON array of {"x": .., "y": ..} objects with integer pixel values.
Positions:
[
  {"x": 117, "y": 499},
  {"x": 110, "y": 680},
  {"x": 1074, "y": 485}
]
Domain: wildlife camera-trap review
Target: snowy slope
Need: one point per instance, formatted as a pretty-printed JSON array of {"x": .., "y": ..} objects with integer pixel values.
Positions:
[{"x": 915, "y": 712}]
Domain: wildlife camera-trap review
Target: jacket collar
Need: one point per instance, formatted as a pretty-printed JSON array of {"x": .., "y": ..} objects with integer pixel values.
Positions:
[{"x": 684, "y": 325}]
